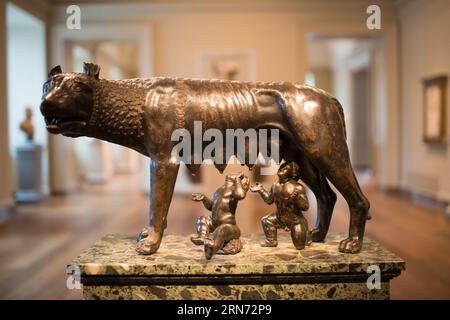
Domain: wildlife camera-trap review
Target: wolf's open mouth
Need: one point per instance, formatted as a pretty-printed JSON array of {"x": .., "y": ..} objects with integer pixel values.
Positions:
[{"x": 56, "y": 125}]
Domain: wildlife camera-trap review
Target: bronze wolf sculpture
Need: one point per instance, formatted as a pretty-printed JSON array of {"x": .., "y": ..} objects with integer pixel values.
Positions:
[{"x": 142, "y": 114}]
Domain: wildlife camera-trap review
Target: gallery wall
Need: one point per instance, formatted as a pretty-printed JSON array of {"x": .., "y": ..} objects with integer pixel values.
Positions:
[
  {"x": 275, "y": 31},
  {"x": 425, "y": 48},
  {"x": 272, "y": 33}
]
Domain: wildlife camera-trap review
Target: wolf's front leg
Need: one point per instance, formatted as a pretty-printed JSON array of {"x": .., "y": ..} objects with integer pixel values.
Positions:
[{"x": 163, "y": 176}]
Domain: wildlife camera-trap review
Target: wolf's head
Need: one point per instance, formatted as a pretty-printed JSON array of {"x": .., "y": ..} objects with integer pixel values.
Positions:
[{"x": 68, "y": 100}]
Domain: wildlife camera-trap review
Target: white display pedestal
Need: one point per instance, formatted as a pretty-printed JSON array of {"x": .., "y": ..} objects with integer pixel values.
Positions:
[{"x": 29, "y": 173}]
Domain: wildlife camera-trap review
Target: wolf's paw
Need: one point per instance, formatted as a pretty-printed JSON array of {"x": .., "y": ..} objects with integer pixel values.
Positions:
[
  {"x": 350, "y": 245},
  {"x": 142, "y": 234},
  {"x": 147, "y": 242},
  {"x": 317, "y": 235}
]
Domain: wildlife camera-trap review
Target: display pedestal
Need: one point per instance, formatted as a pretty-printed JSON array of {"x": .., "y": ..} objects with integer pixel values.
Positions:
[
  {"x": 29, "y": 175},
  {"x": 111, "y": 269}
]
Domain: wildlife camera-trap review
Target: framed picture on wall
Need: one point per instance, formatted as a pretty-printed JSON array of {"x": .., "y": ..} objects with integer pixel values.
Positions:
[{"x": 435, "y": 104}]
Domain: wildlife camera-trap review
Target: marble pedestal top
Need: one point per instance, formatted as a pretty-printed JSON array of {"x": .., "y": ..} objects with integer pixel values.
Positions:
[{"x": 114, "y": 257}]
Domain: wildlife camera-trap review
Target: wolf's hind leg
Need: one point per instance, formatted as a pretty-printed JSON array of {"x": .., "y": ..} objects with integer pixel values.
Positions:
[{"x": 325, "y": 196}]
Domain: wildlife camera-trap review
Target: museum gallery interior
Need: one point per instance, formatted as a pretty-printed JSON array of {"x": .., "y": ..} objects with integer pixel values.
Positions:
[{"x": 351, "y": 200}]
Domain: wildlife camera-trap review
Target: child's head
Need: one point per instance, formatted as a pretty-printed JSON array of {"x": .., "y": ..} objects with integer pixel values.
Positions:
[
  {"x": 232, "y": 179},
  {"x": 289, "y": 170}
]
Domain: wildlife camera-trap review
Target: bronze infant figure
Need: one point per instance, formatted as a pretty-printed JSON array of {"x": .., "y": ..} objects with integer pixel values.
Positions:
[
  {"x": 142, "y": 114},
  {"x": 291, "y": 200},
  {"x": 219, "y": 232}
]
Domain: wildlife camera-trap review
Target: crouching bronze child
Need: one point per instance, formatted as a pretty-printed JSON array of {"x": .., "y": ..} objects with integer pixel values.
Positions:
[
  {"x": 219, "y": 232},
  {"x": 290, "y": 199}
]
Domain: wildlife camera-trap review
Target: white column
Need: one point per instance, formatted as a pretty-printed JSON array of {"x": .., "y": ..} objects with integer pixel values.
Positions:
[
  {"x": 390, "y": 172},
  {"x": 64, "y": 176}
]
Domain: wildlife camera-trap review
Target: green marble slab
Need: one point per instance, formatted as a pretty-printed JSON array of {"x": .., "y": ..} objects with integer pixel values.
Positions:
[
  {"x": 308, "y": 291},
  {"x": 115, "y": 255}
]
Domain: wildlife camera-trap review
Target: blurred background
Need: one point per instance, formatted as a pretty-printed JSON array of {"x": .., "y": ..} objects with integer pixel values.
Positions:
[{"x": 59, "y": 195}]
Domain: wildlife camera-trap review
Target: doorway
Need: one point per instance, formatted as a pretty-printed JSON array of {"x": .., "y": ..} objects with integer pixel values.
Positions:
[{"x": 348, "y": 69}]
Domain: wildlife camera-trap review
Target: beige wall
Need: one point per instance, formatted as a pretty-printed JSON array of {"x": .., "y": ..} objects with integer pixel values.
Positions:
[
  {"x": 324, "y": 78},
  {"x": 425, "y": 47},
  {"x": 273, "y": 37},
  {"x": 275, "y": 31}
]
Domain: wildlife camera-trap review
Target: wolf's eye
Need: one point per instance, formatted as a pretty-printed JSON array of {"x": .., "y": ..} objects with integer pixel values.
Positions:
[{"x": 78, "y": 86}]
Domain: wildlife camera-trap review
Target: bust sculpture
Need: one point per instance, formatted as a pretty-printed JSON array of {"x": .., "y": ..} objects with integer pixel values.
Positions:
[
  {"x": 26, "y": 126},
  {"x": 142, "y": 114}
]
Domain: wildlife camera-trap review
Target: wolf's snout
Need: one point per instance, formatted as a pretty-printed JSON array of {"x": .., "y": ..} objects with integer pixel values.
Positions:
[
  {"x": 48, "y": 106},
  {"x": 45, "y": 106}
]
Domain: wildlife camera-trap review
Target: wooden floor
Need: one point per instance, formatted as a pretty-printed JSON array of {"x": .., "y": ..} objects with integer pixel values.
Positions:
[{"x": 39, "y": 240}]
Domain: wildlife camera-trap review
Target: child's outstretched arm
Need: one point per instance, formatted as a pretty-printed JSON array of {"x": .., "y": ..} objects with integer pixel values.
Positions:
[
  {"x": 267, "y": 196},
  {"x": 207, "y": 202}
]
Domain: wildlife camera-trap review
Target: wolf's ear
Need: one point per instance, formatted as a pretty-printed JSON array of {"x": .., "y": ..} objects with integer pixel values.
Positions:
[
  {"x": 91, "y": 69},
  {"x": 55, "y": 70}
]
